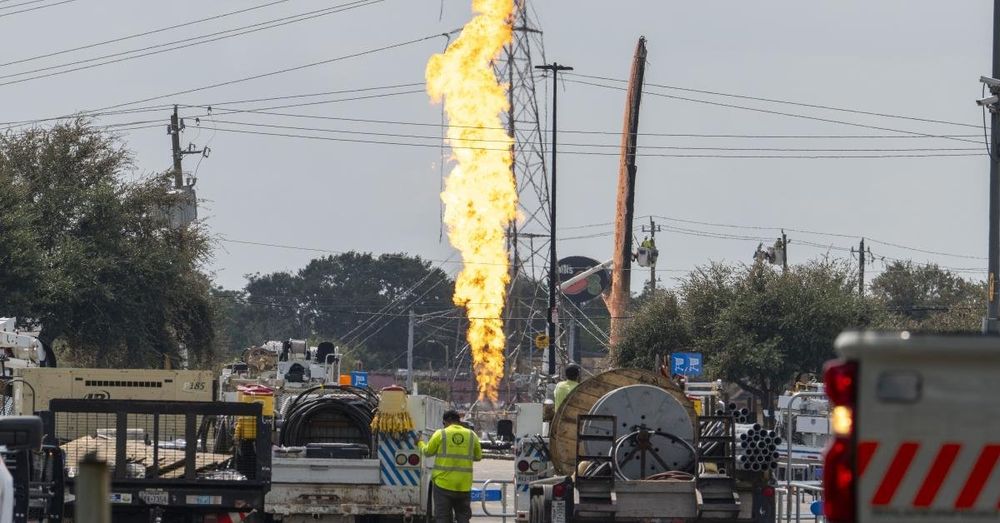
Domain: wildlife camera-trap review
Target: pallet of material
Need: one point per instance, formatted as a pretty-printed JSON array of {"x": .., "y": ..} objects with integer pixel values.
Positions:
[{"x": 170, "y": 462}]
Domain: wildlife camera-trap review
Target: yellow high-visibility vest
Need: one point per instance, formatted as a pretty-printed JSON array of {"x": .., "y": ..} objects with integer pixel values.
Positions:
[
  {"x": 454, "y": 449},
  {"x": 563, "y": 388}
]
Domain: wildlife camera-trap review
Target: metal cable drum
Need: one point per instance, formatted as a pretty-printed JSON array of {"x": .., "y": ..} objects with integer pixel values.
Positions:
[
  {"x": 562, "y": 441},
  {"x": 654, "y": 408}
]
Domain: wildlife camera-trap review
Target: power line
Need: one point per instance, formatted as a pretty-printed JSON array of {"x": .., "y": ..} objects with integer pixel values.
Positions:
[
  {"x": 256, "y": 27},
  {"x": 328, "y": 251},
  {"x": 254, "y": 77},
  {"x": 785, "y": 102},
  {"x": 598, "y": 153},
  {"x": 820, "y": 233},
  {"x": 778, "y": 113},
  {"x": 594, "y": 145},
  {"x": 35, "y": 8},
  {"x": 161, "y": 107},
  {"x": 138, "y": 35},
  {"x": 22, "y": 3}
]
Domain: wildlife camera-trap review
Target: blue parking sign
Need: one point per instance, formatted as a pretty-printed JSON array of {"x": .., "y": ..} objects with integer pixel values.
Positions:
[
  {"x": 359, "y": 378},
  {"x": 685, "y": 363}
]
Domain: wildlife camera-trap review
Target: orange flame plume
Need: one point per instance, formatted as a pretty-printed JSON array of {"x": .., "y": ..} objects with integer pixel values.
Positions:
[{"x": 480, "y": 196}]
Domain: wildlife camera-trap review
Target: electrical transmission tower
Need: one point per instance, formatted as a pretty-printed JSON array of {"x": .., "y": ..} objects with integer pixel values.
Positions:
[{"x": 528, "y": 240}]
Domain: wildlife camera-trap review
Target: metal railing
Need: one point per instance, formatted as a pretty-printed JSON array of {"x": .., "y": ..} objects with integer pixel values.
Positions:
[
  {"x": 788, "y": 440},
  {"x": 791, "y": 499},
  {"x": 484, "y": 486}
]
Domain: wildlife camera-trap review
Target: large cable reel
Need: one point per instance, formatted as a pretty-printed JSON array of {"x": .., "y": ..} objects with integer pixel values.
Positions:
[
  {"x": 655, "y": 431},
  {"x": 679, "y": 418}
]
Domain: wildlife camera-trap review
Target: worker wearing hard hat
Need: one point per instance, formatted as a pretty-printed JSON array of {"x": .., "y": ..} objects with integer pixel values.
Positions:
[
  {"x": 455, "y": 448},
  {"x": 564, "y": 387}
]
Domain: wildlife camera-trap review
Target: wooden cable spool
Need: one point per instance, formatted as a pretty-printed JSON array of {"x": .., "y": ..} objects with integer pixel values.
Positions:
[{"x": 562, "y": 431}]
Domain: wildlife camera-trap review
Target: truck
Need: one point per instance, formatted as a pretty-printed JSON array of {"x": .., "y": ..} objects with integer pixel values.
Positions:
[
  {"x": 169, "y": 460},
  {"x": 330, "y": 462},
  {"x": 916, "y": 429},
  {"x": 627, "y": 445}
]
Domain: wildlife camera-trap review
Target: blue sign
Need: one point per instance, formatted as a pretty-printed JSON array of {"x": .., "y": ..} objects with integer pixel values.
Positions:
[
  {"x": 685, "y": 363},
  {"x": 359, "y": 378},
  {"x": 491, "y": 495}
]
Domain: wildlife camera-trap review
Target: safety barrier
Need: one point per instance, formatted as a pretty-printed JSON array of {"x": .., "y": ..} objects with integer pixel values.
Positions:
[
  {"x": 796, "y": 496},
  {"x": 486, "y": 495}
]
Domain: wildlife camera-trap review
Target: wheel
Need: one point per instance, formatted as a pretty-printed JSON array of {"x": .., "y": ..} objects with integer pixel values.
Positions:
[{"x": 536, "y": 510}]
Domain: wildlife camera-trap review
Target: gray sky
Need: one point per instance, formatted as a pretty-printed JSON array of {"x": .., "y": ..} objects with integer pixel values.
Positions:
[{"x": 904, "y": 57}]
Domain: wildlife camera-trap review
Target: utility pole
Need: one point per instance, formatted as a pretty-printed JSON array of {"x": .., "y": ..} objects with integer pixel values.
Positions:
[
  {"x": 174, "y": 130},
  {"x": 861, "y": 268},
  {"x": 991, "y": 326},
  {"x": 784, "y": 250},
  {"x": 573, "y": 352},
  {"x": 555, "y": 68},
  {"x": 621, "y": 270},
  {"x": 409, "y": 352},
  {"x": 653, "y": 229},
  {"x": 175, "y": 144}
]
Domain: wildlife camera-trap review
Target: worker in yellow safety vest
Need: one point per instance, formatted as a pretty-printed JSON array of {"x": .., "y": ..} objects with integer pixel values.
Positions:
[
  {"x": 564, "y": 387},
  {"x": 454, "y": 449}
]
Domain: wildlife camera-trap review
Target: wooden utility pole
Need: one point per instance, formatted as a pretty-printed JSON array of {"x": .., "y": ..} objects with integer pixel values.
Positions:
[
  {"x": 621, "y": 270},
  {"x": 861, "y": 268},
  {"x": 175, "y": 147}
]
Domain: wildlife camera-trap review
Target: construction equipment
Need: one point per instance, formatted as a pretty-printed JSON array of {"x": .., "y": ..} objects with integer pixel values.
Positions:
[
  {"x": 341, "y": 452},
  {"x": 345, "y": 453},
  {"x": 915, "y": 429},
  {"x": 169, "y": 459},
  {"x": 31, "y": 488},
  {"x": 17, "y": 349},
  {"x": 34, "y": 387},
  {"x": 627, "y": 445}
]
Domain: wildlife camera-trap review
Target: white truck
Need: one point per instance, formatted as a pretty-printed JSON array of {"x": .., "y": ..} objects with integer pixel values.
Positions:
[{"x": 916, "y": 426}]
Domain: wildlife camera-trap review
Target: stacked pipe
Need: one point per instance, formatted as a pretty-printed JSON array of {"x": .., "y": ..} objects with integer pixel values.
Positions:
[
  {"x": 740, "y": 415},
  {"x": 756, "y": 447}
]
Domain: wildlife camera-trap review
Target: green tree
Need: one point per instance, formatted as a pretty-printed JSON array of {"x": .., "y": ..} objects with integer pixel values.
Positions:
[
  {"x": 928, "y": 298},
  {"x": 657, "y": 329},
  {"x": 358, "y": 300},
  {"x": 757, "y": 327},
  {"x": 90, "y": 255}
]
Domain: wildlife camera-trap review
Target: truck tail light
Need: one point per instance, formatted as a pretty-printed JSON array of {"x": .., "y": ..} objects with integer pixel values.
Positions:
[
  {"x": 414, "y": 460},
  {"x": 839, "y": 472},
  {"x": 523, "y": 466},
  {"x": 558, "y": 490}
]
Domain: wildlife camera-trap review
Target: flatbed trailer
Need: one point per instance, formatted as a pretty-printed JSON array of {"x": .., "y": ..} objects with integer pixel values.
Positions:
[{"x": 169, "y": 460}]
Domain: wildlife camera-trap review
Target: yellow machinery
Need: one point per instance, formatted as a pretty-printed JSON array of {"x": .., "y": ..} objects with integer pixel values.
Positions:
[{"x": 246, "y": 426}]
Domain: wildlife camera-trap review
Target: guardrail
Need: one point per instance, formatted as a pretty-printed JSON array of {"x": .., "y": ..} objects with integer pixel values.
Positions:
[
  {"x": 791, "y": 498},
  {"x": 484, "y": 498}
]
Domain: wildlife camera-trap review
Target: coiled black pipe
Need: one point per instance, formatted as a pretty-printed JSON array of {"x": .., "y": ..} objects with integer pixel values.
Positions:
[{"x": 307, "y": 411}]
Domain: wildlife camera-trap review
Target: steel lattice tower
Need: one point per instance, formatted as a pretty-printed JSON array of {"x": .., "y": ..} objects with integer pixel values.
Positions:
[{"x": 528, "y": 239}]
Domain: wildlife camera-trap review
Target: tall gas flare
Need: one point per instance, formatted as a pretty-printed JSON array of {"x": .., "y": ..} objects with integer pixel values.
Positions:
[{"x": 480, "y": 196}]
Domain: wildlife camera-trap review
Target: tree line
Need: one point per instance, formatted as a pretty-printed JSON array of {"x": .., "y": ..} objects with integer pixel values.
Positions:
[
  {"x": 758, "y": 327},
  {"x": 87, "y": 256}
]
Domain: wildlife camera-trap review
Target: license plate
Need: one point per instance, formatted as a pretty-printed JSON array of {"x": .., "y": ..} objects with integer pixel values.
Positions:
[
  {"x": 155, "y": 497},
  {"x": 559, "y": 511},
  {"x": 117, "y": 497}
]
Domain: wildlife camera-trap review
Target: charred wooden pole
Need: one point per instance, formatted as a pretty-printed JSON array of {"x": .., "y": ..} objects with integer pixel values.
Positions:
[{"x": 622, "y": 268}]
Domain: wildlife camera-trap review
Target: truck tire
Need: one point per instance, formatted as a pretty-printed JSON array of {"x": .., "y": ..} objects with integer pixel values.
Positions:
[{"x": 536, "y": 510}]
